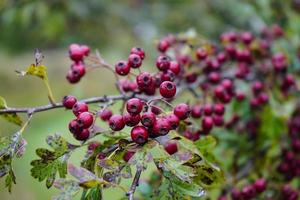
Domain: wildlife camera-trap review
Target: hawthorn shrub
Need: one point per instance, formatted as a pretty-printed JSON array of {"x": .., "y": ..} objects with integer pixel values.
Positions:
[{"x": 217, "y": 119}]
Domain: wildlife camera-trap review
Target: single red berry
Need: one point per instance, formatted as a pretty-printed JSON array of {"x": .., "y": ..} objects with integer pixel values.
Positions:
[
  {"x": 218, "y": 120},
  {"x": 240, "y": 96},
  {"x": 201, "y": 54},
  {"x": 236, "y": 194},
  {"x": 161, "y": 127},
  {"x": 80, "y": 107},
  {"x": 260, "y": 185},
  {"x": 227, "y": 84},
  {"x": 74, "y": 127},
  {"x": 143, "y": 80},
  {"x": 207, "y": 123},
  {"x": 83, "y": 135},
  {"x": 163, "y": 63},
  {"x": 156, "y": 110},
  {"x": 182, "y": 111},
  {"x": 167, "y": 89},
  {"x": 214, "y": 77},
  {"x": 148, "y": 119},
  {"x": 122, "y": 68},
  {"x": 73, "y": 77},
  {"x": 191, "y": 77},
  {"x": 208, "y": 109},
  {"x": 105, "y": 114},
  {"x": 139, "y": 51},
  {"x": 128, "y": 155},
  {"x": 163, "y": 46},
  {"x": 139, "y": 134},
  {"x": 134, "y": 106},
  {"x": 246, "y": 37},
  {"x": 167, "y": 76},
  {"x": 69, "y": 101},
  {"x": 78, "y": 68},
  {"x": 248, "y": 192},
  {"x": 85, "y": 49},
  {"x": 93, "y": 145},
  {"x": 173, "y": 121},
  {"x": 171, "y": 147},
  {"x": 196, "y": 111},
  {"x": 85, "y": 119},
  {"x": 263, "y": 98},
  {"x": 194, "y": 136},
  {"x": 131, "y": 120},
  {"x": 174, "y": 67},
  {"x": 134, "y": 61},
  {"x": 219, "y": 109},
  {"x": 116, "y": 122},
  {"x": 75, "y": 52},
  {"x": 257, "y": 87}
]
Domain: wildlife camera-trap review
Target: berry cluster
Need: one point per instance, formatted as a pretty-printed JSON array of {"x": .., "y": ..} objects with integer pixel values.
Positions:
[
  {"x": 77, "y": 53},
  {"x": 84, "y": 119}
]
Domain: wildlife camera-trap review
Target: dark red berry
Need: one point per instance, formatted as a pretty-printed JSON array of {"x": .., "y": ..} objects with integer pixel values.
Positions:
[
  {"x": 163, "y": 63},
  {"x": 163, "y": 46},
  {"x": 201, "y": 54},
  {"x": 182, "y": 111},
  {"x": 83, "y": 135},
  {"x": 161, "y": 127},
  {"x": 85, "y": 49},
  {"x": 139, "y": 134},
  {"x": 171, "y": 147},
  {"x": 218, "y": 120},
  {"x": 74, "y": 127},
  {"x": 93, "y": 145},
  {"x": 101, "y": 156},
  {"x": 207, "y": 123},
  {"x": 78, "y": 68},
  {"x": 246, "y": 37},
  {"x": 72, "y": 77},
  {"x": 148, "y": 119},
  {"x": 105, "y": 114},
  {"x": 143, "y": 80},
  {"x": 131, "y": 120},
  {"x": 85, "y": 119},
  {"x": 260, "y": 185},
  {"x": 139, "y": 51},
  {"x": 122, "y": 68},
  {"x": 128, "y": 155},
  {"x": 76, "y": 53},
  {"x": 116, "y": 122},
  {"x": 219, "y": 109},
  {"x": 167, "y": 89},
  {"x": 80, "y": 107},
  {"x": 134, "y": 61},
  {"x": 134, "y": 106},
  {"x": 173, "y": 121},
  {"x": 248, "y": 192},
  {"x": 69, "y": 101},
  {"x": 174, "y": 67},
  {"x": 208, "y": 109},
  {"x": 196, "y": 111}
]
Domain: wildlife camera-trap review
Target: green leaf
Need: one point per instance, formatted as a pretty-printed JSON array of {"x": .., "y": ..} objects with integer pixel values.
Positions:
[
  {"x": 208, "y": 175},
  {"x": 93, "y": 193},
  {"x": 51, "y": 162},
  {"x": 206, "y": 143},
  {"x": 142, "y": 156},
  {"x": 10, "y": 117},
  {"x": 10, "y": 180}
]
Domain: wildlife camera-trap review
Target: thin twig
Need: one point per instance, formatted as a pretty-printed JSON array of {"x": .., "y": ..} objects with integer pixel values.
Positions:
[{"x": 134, "y": 184}]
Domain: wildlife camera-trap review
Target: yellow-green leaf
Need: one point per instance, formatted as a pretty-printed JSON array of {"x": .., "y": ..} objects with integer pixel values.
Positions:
[
  {"x": 39, "y": 71},
  {"x": 10, "y": 117},
  {"x": 2, "y": 103}
]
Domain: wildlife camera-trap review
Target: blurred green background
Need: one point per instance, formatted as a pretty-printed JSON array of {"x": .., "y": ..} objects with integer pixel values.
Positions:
[{"x": 113, "y": 27}]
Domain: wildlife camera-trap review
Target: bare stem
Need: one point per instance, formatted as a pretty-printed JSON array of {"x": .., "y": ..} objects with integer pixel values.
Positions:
[{"x": 134, "y": 184}]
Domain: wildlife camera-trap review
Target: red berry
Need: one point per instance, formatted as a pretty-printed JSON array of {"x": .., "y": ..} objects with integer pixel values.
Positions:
[
  {"x": 257, "y": 86},
  {"x": 248, "y": 192},
  {"x": 143, "y": 80},
  {"x": 246, "y": 37},
  {"x": 69, "y": 101},
  {"x": 201, "y": 54},
  {"x": 163, "y": 46},
  {"x": 134, "y": 61},
  {"x": 116, "y": 122},
  {"x": 171, "y": 147},
  {"x": 101, "y": 156},
  {"x": 73, "y": 77},
  {"x": 174, "y": 67},
  {"x": 173, "y": 121},
  {"x": 80, "y": 107},
  {"x": 163, "y": 63},
  {"x": 218, "y": 120},
  {"x": 122, "y": 68},
  {"x": 75, "y": 52},
  {"x": 139, "y": 134},
  {"x": 83, "y": 135},
  {"x": 167, "y": 76},
  {"x": 74, "y": 127},
  {"x": 85, "y": 119},
  {"x": 93, "y": 145},
  {"x": 128, "y": 155},
  {"x": 219, "y": 109},
  {"x": 227, "y": 84},
  {"x": 182, "y": 111},
  {"x": 207, "y": 123},
  {"x": 148, "y": 119},
  {"x": 139, "y": 51},
  {"x": 260, "y": 185},
  {"x": 105, "y": 114},
  {"x": 167, "y": 89},
  {"x": 134, "y": 106},
  {"x": 161, "y": 127},
  {"x": 208, "y": 109},
  {"x": 85, "y": 49},
  {"x": 131, "y": 120},
  {"x": 78, "y": 68},
  {"x": 214, "y": 77},
  {"x": 196, "y": 111}
]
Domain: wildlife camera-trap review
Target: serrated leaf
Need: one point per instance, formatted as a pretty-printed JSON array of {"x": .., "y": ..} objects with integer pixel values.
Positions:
[
  {"x": 38, "y": 71},
  {"x": 208, "y": 176},
  {"x": 10, "y": 117},
  {"x": 51, "y": 162}
]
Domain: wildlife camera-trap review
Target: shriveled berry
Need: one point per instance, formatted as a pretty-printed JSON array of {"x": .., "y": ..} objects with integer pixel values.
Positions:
[
  {"x": 105, "y": 114},
  {"x": 182, "y": 111},
  {"x": 116, "y": 122},
  {"x": 139, "y": 134},
  {"x": 134, "y": 106},
  {"x": 122, "y": 68},
  {"x": 167, "y": 89},
  {"x": 163, "y": 63},
  {"x": 148, "y": 119},
  {"x": 131, "y": 120},
  {"x": 171, "y": 147},
  {"x": 69, "y": 101},
  {"x": 134, "y": 61},
  {"x": 80, "y": 107},
  {"x": 85, "y": 119}
]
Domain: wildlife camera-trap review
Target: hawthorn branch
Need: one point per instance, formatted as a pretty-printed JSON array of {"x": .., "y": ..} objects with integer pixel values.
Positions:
[{"x": 134, "y": 184}]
